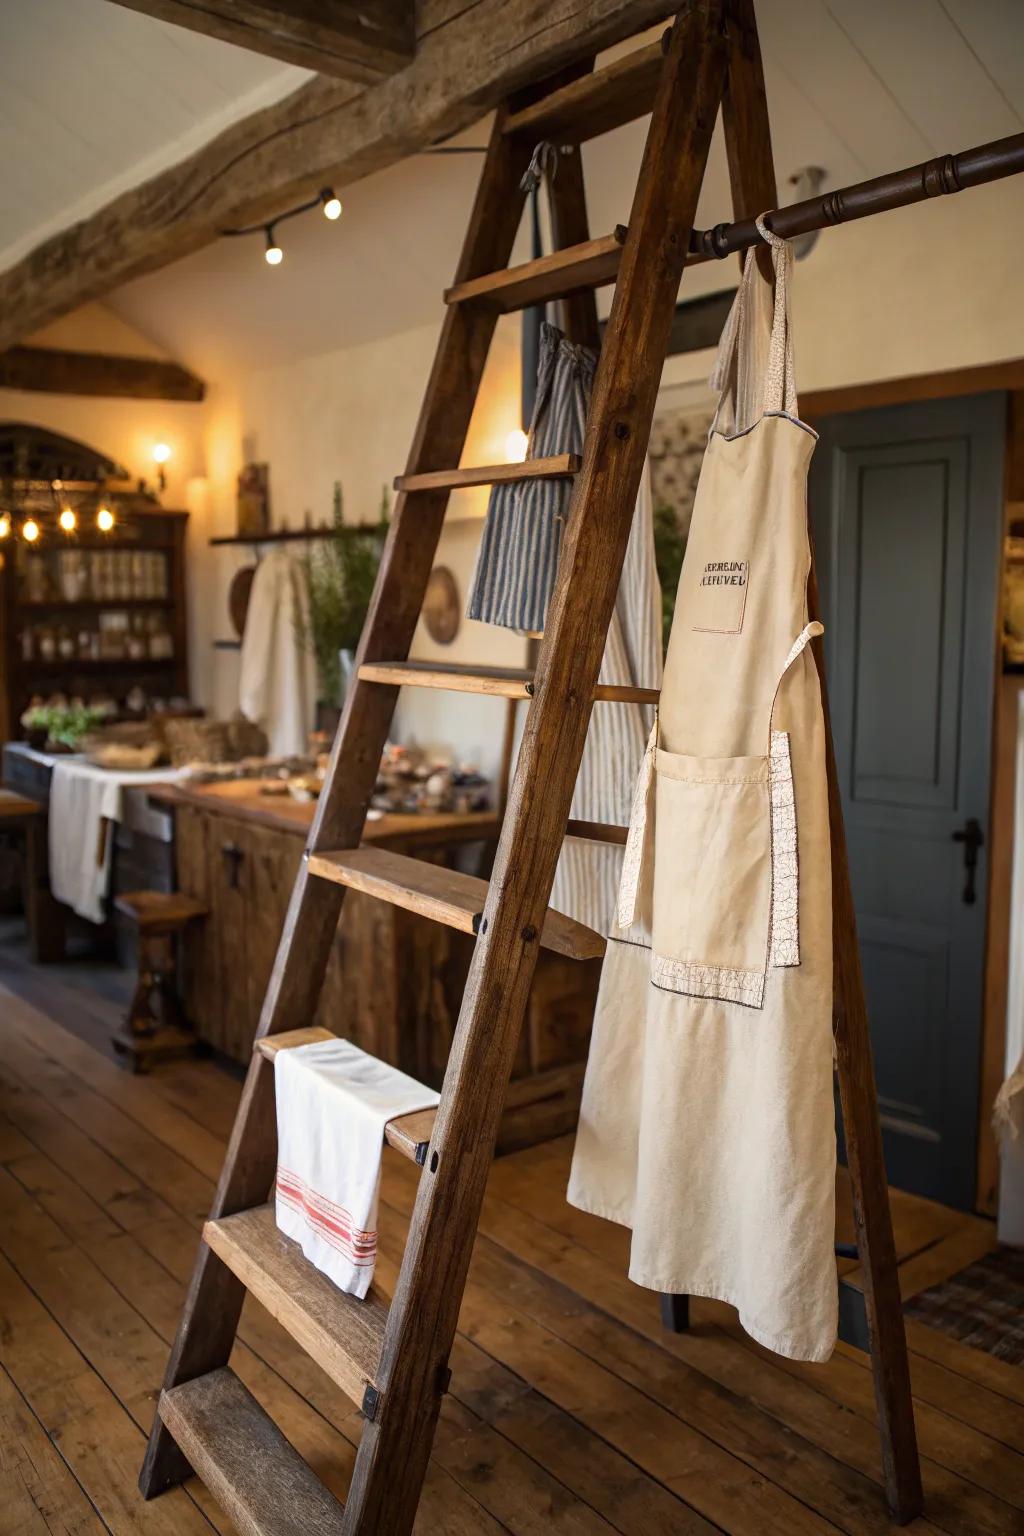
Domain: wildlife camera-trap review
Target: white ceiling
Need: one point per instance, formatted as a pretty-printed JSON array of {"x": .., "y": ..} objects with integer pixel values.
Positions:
[
  {"x": 856, "y": 86},
  {"x": 95, "y": 98}
]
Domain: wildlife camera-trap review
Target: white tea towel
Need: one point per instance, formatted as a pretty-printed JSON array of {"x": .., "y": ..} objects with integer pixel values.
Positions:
[
  {"x": 82, "y": 799},
  {"x": 333, "y": 1102},
  {"x": 277, "y": 678}
]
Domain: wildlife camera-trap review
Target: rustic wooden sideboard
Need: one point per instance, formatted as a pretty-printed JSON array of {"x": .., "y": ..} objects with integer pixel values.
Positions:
[{"x": 395, "y": 979}]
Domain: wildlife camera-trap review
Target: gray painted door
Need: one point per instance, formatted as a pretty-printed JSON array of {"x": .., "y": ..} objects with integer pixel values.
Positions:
[{"x": 906, "y": 505}]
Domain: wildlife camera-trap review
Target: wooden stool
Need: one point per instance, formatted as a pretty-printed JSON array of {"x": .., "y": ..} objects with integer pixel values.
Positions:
[
  {"x": 151, "y": 1032},
  {"x": 44, "y": 916}
]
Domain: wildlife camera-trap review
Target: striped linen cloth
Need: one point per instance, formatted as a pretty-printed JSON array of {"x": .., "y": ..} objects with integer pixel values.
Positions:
[
  {"x": 512, "y": 585},
  {"x": 587, "y": 878},
  {"x": 518, "y": 559}
]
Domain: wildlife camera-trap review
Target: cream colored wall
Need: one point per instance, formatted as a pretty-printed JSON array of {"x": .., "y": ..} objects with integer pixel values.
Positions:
[{"x": 350, "y": 416}]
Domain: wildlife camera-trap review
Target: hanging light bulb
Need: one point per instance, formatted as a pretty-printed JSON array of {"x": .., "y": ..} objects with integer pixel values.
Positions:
[
  {"x": 67, "y": 519},
  {"x": 515, "y": 446},
  {"x": 104, "y": 519},
  {"x": 332, "y": 204},
  {"x": 273, "y": 253},
  {"x": 30, "y": 530},
  {"x": 5, "y": 525}
]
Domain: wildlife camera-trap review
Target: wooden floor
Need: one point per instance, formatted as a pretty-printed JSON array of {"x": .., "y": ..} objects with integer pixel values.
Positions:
[{"x": 571, "y": 1412}]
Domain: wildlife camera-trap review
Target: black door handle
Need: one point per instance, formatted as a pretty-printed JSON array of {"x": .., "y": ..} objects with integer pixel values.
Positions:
[
  {"x": 233, "y": 856},
  {"x": 973, "y": 838}
]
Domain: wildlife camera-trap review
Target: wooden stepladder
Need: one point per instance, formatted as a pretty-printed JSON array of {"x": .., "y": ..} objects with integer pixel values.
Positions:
[{"x": 393, "y": 1359}]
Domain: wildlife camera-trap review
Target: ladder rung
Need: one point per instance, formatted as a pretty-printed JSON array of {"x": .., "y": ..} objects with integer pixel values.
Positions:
[
  {"x": 446, "y": 895},
  {"x": 505, "y": 682},
  {"x": 597, "y": 832},
  {"x": 409, "y": 1134},
  {"x": 595, "y": 104},
  {"x": 558, "y": 467},
  {"x": 570, "y": 270},
  {"x": 341, "y": 1333},
  {"x": 257, "y": 1477}
]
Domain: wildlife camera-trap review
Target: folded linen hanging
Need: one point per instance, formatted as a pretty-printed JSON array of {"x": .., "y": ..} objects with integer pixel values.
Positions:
[{"x": 333, "y": 1103}]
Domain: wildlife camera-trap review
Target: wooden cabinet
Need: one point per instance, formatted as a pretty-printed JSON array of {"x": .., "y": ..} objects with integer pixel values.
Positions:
[{"x": 394, "y": 980}]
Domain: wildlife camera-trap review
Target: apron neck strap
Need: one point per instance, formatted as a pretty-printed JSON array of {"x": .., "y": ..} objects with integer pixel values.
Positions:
[{"x": 753, "y": 371}]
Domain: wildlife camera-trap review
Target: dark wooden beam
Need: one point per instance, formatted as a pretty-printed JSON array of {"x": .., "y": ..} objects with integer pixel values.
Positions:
[
  {"x": 53, "y": 371},
  {"x": 342, "y": 38},
  {"x": 469, "y": 56}
]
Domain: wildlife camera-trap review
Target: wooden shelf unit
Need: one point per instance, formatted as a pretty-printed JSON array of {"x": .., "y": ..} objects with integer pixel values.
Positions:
[{"x": 33, "y": 585}]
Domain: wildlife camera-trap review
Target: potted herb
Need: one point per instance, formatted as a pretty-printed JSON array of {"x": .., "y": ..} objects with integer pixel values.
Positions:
[{"x": 341, "y": 571}]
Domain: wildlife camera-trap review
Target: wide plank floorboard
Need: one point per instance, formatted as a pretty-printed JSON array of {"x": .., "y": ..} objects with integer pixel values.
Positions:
[{"x": 571, "y": 1412}]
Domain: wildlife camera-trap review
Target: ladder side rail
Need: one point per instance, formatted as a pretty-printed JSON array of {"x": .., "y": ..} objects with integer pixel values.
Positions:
[
  {"x": 396, "y": 1441},
  {"x": 209, "y": 1319},
  {"x": 752, "y": 179}
]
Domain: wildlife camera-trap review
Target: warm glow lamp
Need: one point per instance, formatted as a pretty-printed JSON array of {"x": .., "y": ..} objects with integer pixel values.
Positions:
[
  {"x": 67, "y": 519},
  {"x": 161, "y": 456},
  {"x": 273, "y": 253},
  {"x": 332, "y": 203},
  {"x": 516, "y": 445},
  {"x": 104, "y": 519},
  {"x": 30, "y": 530},
  {"x": 5, "y": 525}
]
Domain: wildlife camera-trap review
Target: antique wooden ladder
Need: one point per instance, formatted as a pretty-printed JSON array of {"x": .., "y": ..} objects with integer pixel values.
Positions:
[{"x": 393, "y": 1359}]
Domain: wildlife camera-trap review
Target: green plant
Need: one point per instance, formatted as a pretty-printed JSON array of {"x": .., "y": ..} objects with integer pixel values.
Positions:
[
  {"x": 341, "y": 571},
  {"x": 669, "y": 548},
  {"x": 63, "y": 723}
]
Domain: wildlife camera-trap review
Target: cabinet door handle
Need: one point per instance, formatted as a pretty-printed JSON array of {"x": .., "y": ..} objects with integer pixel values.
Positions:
[
  {"x": 233, "y": 856},
  {"x": 972, "y": 838}
]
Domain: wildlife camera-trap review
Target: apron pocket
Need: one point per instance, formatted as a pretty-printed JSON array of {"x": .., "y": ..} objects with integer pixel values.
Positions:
[{"x": 712, "y": 876}]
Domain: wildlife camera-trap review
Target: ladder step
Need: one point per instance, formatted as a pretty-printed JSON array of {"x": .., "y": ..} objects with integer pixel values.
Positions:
[
  {"x": 504, "y": 682},
  {"x": 257, "y": 1477},
  {"x": 594, "y": 104},
  {"x": 446, "y": 895},
  {"x": 559, "y": 466},
  {"x": 341, "y": 1333},
  {"x": 408, "y": 1134},
  {"x": 570, "y": 270}
]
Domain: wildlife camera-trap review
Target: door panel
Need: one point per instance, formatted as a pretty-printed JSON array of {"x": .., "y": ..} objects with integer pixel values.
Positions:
[{"x": 906, "y": 505}]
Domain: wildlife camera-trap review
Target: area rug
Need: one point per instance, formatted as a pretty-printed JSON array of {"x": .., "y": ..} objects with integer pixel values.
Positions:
[{"x": 983, "y": 1305}]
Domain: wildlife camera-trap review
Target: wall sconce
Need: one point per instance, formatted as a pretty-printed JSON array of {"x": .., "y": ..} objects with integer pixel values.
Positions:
[{"x": 161, "y": 456}]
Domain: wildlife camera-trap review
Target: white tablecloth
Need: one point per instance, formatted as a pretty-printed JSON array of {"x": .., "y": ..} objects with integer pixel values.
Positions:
[{"x": 84, "y": 800}]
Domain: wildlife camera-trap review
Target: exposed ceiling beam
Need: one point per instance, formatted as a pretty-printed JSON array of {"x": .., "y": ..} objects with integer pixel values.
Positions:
[
  {"x": 52, "y": 371},
  {"x": 468, "y": 58},
  {"x": 349, "y": 39}
]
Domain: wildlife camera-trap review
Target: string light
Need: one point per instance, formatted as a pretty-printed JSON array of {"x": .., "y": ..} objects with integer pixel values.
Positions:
[
  {"x": 327, "y": 200},
  {"x": 104, "y": 519},
  {"x": 67, "y": 519},
  {"x": 30, "y": 530},
  {"x": 5, "y": 525},
  {"x": 273, "y": 253}
]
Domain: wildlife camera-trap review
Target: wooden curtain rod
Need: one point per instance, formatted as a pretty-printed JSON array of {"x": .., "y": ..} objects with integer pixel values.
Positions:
[{"x": 897, "y": 189}]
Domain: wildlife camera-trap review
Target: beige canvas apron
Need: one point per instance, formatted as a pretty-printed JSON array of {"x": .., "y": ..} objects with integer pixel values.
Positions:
[{"x": 707, "y": 1116}]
